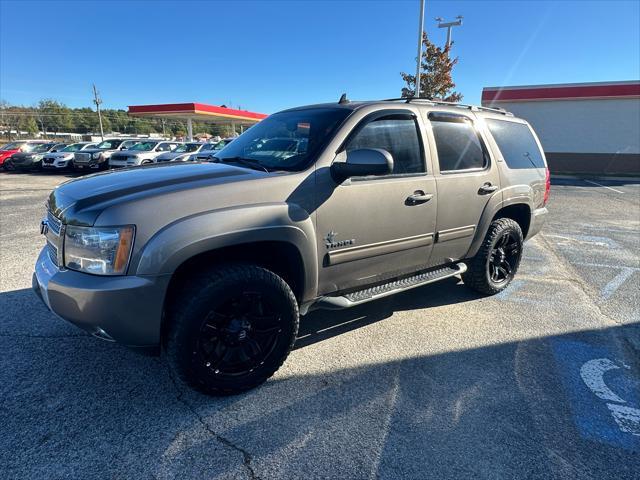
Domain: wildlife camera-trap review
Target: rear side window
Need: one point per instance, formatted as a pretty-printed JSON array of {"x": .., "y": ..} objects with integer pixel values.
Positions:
[
  {"x": 398, "y": 135},
  {"x": 516, "y": 143},
  {"x": 457, "y": 142}
]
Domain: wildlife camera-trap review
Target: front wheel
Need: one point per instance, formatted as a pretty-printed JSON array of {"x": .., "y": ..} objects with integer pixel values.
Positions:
[
  {"x": 497, "y": 260},
  {"x": 231, "y": 329}
]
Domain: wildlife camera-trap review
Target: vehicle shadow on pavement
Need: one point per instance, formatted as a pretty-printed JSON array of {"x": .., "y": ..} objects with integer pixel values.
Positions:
[
  {"x": 320, "y": 325},
  {"x": 73, "y": 406}
]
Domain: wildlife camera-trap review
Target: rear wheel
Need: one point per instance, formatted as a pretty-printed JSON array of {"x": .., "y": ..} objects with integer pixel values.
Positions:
[
  {"x": 498, "y": 259},
  {"x": 231, "y": 329}
]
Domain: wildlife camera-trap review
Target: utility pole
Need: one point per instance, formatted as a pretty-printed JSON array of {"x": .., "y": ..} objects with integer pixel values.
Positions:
[
  {"x": 420, "y": 27},
  {"x": 449, "y": 26},
  {"x": 97, "y": 100}
]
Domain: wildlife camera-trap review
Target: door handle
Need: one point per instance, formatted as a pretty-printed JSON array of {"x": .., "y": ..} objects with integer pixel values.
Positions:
[
  {"x": 487, "y": 188},
  {"x": 418, "y": 197}
]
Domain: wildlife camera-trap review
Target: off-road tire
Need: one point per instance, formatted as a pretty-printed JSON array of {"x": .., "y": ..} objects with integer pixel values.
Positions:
[
  {"x": 200, "y": 298},
  {"x": 477, "y": 276}
]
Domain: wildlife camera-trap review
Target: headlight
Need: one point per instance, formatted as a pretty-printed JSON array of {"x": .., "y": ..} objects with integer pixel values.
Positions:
[
  {"x": 96, "y": 155},
  {"x": 99, "y": 250},
  {"x": 37, "y": 157}
]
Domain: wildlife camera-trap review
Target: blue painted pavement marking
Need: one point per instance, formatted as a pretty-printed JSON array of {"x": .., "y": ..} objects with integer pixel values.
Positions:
[{"x": 599, "y": 386}]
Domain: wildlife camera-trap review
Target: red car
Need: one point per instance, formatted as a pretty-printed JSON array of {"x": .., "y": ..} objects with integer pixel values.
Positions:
[{"x": 15, "y": 147}]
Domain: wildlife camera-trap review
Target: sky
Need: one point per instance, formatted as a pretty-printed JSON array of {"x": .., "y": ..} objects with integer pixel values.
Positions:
[{"x": 265, "y": 56}]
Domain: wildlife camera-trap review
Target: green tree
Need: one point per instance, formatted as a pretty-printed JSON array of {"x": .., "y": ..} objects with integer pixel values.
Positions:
[
  {"x": 436, "y": 80},
  {"x": 29, "y": 124},
  {"x": 56, "y": 116}
]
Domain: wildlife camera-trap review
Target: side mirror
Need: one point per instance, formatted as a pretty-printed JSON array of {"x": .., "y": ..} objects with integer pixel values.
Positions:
[{"x": 361, "y": 163}]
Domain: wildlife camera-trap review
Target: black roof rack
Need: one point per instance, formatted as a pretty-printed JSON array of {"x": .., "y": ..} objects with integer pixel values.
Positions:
[{"x": 449, "y": 104}]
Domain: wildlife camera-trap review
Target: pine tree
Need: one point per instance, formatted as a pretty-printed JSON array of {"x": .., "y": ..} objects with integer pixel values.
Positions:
[{"x": 435, "y": 74}]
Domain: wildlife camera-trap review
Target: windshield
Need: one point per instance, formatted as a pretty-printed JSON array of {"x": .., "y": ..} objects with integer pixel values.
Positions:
[
  {"x": 109, "y": 144},
  {"x": 11, "y": 146},
  {"x": 39, "y": 147},
  {"x": 207, "y": 147},
  {"x": 286, "y": 140},
  {"x": 187, "y": 147},
  {"x": 74, "y": 147},
  {"x": 143, "y": 146}
]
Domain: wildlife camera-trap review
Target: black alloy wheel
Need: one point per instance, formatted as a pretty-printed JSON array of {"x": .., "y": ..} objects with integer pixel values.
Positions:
[
  {"x": 504, "y": 258},
  {"x": 238, "y": 336},
  {"x": 495, "y": 264},
  {"x": 230, "y": 328}
]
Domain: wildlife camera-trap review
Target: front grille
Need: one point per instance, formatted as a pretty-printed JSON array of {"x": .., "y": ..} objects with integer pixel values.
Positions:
[
  {"x": 48, "y": 160},
  {"x": 53, "y": 235},
  {"x": 53, "y": 253},
  {"x": 120, "y": 158},
  {"x": 54, "y": 224},
  {"x": 82, "y": 157}
]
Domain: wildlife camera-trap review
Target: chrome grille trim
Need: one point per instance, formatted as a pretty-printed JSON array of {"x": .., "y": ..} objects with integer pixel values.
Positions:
[
  {"x": 82, "y": 157},
  {"x": 54, "y": 236},
  {"x": 54, "y": 224}
]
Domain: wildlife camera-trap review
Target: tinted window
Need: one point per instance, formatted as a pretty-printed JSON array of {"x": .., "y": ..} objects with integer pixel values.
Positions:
[
  {"x": 398, "y": 135},
  {"x": 516, "y": 143},
  {"x": 457, "y": 142}
]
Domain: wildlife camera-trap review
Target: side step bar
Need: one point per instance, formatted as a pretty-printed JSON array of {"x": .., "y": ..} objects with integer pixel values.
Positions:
[{"x": 373, "y": 293}]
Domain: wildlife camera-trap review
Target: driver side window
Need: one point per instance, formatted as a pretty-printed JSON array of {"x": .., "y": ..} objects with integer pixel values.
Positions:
[{"x": 398, "y": 135}]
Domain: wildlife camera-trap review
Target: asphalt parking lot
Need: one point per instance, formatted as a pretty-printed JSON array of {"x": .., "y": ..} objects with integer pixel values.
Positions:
[{"x": 540, "y": 381}]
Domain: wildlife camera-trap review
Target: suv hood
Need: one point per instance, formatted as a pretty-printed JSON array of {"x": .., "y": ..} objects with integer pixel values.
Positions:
[{"x": 80, "y": 201}]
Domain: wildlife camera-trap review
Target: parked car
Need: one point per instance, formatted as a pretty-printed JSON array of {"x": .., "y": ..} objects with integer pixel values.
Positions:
[
  {"x": 63, "y": 159},
  {"x": 97, "y": 158},
  {"x": 32, "y": 159},
  {"x": 141, "y": 153},
  {"x": 208, "y": 151},
  {"x": 18, "y": 146},
  {"x": 181, "y": 153},
  {"x": 214, "y": 262}
]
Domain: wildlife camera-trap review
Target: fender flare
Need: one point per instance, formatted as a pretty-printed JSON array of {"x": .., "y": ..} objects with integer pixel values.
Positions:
[
  {"x": 200, "y": 233},
  {"x": 519, "y": 197}
]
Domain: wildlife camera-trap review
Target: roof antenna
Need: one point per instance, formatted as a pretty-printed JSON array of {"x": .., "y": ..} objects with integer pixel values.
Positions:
[{"x": 343, "y": 99}]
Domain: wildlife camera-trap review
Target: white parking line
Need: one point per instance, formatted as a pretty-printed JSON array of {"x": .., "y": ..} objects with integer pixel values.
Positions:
[{"x": 600, "y": 185}]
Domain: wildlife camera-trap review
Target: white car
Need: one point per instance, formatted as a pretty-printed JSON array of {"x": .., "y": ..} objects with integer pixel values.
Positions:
[
  {"x": 207, "y": 152},
  {"x": 141, "y": 153},
  {"x": 182, "y": 153},
  {"x": 63, "y": 159}
]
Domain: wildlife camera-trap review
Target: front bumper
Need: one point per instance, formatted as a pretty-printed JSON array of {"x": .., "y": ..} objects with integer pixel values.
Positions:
[
  {"x": 538, "y": 218},
  {"x": 56, "y": 164},
  {"x": 91, "y": 164},
  {"x": 126, "y": 309},
  {"x": 26, "y": 164}
]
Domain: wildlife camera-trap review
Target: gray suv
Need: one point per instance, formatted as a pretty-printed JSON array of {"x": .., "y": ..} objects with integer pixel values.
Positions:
[{"x": 213, "y": 263}]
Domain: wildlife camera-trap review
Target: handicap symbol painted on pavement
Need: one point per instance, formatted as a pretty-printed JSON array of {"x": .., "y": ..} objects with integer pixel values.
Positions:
[
  {"x": 592, "y": 373},
  {"x": 603, "y": 395}
]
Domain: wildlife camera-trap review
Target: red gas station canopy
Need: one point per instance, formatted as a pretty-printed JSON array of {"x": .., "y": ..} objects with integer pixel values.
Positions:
[{"x": 198, "y": 111}]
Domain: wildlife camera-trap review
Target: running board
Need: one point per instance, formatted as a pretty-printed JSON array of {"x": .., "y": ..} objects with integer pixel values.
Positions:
[{"x": 373, "y": 293}]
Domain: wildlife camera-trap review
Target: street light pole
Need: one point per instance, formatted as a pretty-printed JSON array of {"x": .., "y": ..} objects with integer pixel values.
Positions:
[
  {"x": 420, "y": 26},
  {"x": 449, "y": 26},
  {"x": 97, "y": 100}
]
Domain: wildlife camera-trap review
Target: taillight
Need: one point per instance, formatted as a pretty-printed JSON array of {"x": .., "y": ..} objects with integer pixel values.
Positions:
[{"x": 547, "y": 187}]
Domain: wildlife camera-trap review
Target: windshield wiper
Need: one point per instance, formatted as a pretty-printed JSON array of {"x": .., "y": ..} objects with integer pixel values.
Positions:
[{"x": 253, "y": 164}]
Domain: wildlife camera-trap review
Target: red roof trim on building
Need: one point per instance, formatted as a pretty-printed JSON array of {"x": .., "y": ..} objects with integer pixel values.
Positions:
[
  {"x": 568, "y": 92},
  {"x": 194, "y": 108}
]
